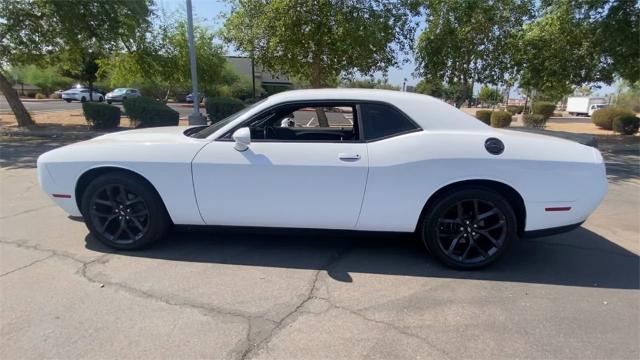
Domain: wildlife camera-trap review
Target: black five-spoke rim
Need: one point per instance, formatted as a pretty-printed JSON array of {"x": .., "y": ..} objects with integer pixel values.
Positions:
[
  {"x": 119, "y": 214},
  {"x": 471, "y": 231}
]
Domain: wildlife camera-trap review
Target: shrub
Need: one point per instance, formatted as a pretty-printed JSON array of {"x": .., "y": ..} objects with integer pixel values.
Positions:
[
  {"x": 544, "y": 108},
  {"x": 41, "y": 96},
  {"x": 147, "y": 112},
  {"x": 534, "y": 120},
  {"x": 219, "y": 108},
  {"x": 626, "y": 124},
  {"x": 101, "y": 116},
  {"x": 515, "y": 109},
  {"x": 500, "y": 119},
  {"x": 54, "y": 96},
  {"x": 603, "y": 118},
  {"x": 484, "y": 116}
]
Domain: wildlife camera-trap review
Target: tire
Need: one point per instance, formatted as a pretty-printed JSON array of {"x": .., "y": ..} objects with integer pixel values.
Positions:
[
  {"x": 100, "y": 99},
  {"x": 67, "y": 100},
  {"x": 109, "y": 102},
  {"x": 469, "y": 228},
  {"x": 126, "y": 221},
  {"x": 84, "y": 99}
]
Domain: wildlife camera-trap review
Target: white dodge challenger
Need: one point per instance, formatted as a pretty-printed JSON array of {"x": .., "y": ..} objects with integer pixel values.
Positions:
[{"x": 366, "y": 160}]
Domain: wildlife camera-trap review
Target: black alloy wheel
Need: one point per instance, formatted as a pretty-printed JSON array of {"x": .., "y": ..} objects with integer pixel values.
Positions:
[
  {"x": 470, "y": 228},
  {"x": 122, "y": 212}
]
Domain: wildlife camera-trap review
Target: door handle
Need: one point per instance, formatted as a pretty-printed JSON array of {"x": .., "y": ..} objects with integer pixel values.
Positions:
[{"x": 348, "y": 156}]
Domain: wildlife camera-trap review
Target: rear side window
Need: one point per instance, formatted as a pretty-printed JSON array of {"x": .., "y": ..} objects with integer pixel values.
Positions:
[{"x": 381, "y": 121}]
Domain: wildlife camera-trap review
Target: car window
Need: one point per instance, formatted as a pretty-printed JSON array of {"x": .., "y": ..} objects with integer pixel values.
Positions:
[
  {"x": 381, "y": 121},
  {"x": 313, "y": 122},
  {"x": 218, "y": 125}
]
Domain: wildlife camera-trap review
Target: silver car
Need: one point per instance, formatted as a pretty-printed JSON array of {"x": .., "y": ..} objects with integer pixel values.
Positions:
[{"x": 121, "y": 94}]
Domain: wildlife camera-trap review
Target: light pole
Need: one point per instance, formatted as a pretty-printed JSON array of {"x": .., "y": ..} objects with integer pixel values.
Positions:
[{"x": 195, "y": 118}]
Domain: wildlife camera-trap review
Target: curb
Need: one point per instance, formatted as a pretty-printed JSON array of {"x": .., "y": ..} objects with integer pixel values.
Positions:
[
  {"x": 75, "y": 135},
  {"x": 39, "y": 100}
]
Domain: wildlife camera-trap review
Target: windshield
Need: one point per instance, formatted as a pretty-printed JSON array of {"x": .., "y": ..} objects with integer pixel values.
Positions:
[
  {"x": 217, "y": 126},
  {"x": 119, "y": 91}
]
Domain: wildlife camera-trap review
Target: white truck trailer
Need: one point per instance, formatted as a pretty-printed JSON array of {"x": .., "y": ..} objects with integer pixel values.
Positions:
[{"x": 585, "y": 105}]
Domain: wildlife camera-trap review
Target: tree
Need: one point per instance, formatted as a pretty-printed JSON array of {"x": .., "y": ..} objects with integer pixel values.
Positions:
[
  {"x": 573, "y": 43},
  {"x": 617, "y": 34},
  {"x": 430, "y": 87},
  {"x": 370, "y": 83},
  {"x": 467, "y": 41},
  {"x": 158, "y": 60},
  {"x": 489, "y": 95},
  {"x": 52, "y": 31},
  {"x": 319, "y": 40},
  {"x": 48, "y": 79}
]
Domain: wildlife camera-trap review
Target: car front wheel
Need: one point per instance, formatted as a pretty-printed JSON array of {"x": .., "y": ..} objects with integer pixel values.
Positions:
[
  {"x": 67, "y": 100},
  {"x": 122, "y": 212},
  {"x": 469, "y": 228}
]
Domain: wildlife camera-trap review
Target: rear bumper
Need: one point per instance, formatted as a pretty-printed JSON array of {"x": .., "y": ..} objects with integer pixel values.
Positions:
[{"x": 551, "y": 231}]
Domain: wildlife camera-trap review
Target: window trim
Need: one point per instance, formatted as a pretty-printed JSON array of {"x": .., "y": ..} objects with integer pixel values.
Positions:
[{"x": 353, "y": 102}]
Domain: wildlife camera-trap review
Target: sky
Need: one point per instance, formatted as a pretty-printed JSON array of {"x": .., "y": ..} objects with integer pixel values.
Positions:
[{"x": 211, "y": 12}]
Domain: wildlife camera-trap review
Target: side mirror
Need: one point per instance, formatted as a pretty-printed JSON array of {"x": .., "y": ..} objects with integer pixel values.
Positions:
[{"x": 242, "y": 137}]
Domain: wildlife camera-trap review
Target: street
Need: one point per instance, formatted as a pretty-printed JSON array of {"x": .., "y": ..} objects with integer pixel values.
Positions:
[
  {"x": 244, "y": 294},
  {"x": 37, "y": 107}
]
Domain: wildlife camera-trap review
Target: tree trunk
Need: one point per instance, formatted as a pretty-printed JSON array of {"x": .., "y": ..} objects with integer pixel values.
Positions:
[
  {"x": 316, "y": 73},
  {"x": 22, "y": 115},
  {"x": 90, "y": 91}
]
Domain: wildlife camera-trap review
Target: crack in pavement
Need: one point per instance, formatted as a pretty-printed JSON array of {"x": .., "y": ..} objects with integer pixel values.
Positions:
[
  {"x": 254, "y": 339},
  {"x": 21, "y": 243},
  {"x": 82, "y": 271},
  {"x": 28, "y": 265},
  {"x": 390, "y": 325},
  {"x": 293, "y": 313},
  {"x": 27, "y": 211}
]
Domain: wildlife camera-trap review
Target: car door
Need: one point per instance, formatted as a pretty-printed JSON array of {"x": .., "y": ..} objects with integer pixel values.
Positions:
[{"x": 309, "y": 182}]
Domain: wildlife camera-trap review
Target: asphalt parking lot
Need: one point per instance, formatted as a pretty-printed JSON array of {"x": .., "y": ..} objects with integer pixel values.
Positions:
[{"x": 244, "y": 294}]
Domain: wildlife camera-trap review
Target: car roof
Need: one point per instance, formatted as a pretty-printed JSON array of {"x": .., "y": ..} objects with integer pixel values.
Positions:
[{"x": 429, "y": 112}]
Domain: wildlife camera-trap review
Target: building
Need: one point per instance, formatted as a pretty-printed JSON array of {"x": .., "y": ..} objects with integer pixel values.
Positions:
[{"x": 272, "y": 83}]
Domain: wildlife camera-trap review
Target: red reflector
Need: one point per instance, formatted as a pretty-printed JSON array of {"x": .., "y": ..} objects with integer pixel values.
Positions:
[
  {"x": 64, "y": 196},
  {"x": 567, "y": 208}
]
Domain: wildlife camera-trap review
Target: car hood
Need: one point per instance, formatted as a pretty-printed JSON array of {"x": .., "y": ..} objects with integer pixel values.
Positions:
[
  {"x": 142, "y": 145},
  {"x": 148, "y": 135}
]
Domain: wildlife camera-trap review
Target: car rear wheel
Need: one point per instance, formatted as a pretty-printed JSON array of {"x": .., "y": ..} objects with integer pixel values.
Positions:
[
  {"x": 109, "y": 102},
  {"x": 84, "y": 99},
  {"x": 100, "y": 99},
  {"x": 67, "y": 100},
  {"x": 469, "y": 228},
  {"x": 122, "y": 212}
]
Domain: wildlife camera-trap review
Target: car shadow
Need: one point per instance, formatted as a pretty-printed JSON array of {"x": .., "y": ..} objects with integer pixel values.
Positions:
[{"x": 579, "y": 258}]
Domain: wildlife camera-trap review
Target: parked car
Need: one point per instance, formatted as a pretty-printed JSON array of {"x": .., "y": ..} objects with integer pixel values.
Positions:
[
  {"x": 121, "y": 94},
  {"x": 82, "y": 95},
  {"x": 402, "y": 162},
  {"x": 585, "y": 105},
  {"x": 189, "y": 98},
  {"x": 58, "y": 93}
]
